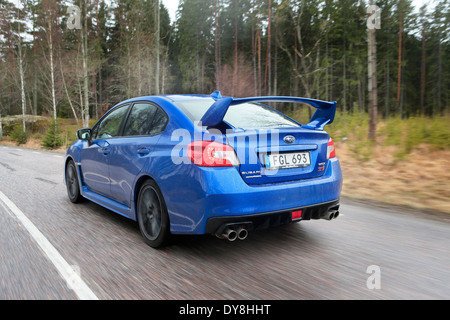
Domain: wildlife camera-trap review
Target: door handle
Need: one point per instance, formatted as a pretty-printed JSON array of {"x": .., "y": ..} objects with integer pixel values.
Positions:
[{"x": 143, "y": 151}]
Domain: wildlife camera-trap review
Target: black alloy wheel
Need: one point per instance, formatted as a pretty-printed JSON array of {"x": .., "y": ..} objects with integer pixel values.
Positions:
[
  {"x": 73, "y": 187},
  {"x": 152, "y": 215}
]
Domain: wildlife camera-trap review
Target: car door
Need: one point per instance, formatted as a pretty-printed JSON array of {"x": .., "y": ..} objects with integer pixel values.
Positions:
[
  {"x": 96, "y": 154},
  {"x": 137, "y": 145}
]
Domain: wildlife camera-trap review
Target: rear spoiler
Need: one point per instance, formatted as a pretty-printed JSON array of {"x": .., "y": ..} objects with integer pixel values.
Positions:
[{"x": 322, "y": 116}]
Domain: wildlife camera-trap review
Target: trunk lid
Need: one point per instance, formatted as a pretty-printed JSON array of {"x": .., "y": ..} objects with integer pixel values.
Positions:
[
  {"x": 279, "y": 155},
  {"x": 271, "y": 147}
]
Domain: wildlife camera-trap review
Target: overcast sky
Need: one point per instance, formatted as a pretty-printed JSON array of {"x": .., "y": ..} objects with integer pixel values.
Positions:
[{"x": 172, "y": 6}]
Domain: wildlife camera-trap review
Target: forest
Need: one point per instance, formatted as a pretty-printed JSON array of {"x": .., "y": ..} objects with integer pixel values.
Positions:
[{"x": 76, "y": 59}]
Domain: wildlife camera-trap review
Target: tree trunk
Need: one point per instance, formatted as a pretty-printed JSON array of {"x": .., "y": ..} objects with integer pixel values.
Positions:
[
  {"x": 255, "y": 70},
  {"x": 35, "y": 67},
  {"x": 386, "y": 90},
  {"x": 22, "y": 85},
  {"x": 373, "y": 90},
  {"x": 217, "y": 47},
  {"x": 258, "y": 38},
  {"x": 22, "y": 88},
  {"x": 52, "y": 67},
  {"x": 235, "y": 71},
  {"x": 327, "y": 80},
  {"x": 275, "y": 60},
  {"x": 84, "y": 49},
  {"x": 268, "y": 74},
  {"x": 422, "y": 77},
  {"x": 65, "y": 88},
  {"x": 439, "y": 84},
  {"x": 344, "y": 82},
  {"x": 157, "y": 40},
  {"x": 399, "y": 74}
]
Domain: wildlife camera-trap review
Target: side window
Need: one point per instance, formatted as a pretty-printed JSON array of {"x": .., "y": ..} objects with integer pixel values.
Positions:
[
  {"x": 145, "y": 119},
  {"x": 110, "y": 126},
  {"x": 140, "y": 120},
  {"x": 159, "y": 122}
]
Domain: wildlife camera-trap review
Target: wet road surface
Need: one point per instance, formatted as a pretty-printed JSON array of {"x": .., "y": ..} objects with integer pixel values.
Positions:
[{"x": 367, "y": 253}]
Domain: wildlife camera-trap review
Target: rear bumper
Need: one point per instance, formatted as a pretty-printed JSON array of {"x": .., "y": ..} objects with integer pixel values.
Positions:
[
  {"x": 222, "y": 195},
  {"x": 216, "y": 225}
]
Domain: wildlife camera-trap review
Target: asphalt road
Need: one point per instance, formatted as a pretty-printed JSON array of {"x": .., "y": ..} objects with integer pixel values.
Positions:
[{"x": 366, "y": 253}]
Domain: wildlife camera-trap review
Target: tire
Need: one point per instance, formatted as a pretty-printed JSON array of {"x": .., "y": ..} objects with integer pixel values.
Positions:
[
  {"x": 152, "y": 215},
  {"x": 72, "y": 183}
]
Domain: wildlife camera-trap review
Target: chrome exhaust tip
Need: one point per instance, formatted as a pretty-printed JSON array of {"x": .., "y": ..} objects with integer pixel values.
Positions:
[
  {"x": 229, "y": 234},
  {"x": 330, "y": 215},
  {"x": 242, "y": 233}
]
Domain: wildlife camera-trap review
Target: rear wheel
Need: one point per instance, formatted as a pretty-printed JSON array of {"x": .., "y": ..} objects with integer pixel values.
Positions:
[
  {"x": 152, "y": 215},
  {"x": 73, "y": 187}
]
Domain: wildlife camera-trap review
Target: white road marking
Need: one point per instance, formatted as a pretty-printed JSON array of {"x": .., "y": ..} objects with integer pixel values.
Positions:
[{"x": 66, "y": 271}]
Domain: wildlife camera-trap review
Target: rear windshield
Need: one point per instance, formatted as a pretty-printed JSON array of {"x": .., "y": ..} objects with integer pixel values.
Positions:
[{"x": 246, "y": 115}]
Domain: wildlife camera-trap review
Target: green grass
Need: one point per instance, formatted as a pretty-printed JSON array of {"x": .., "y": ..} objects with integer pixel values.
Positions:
[
  {"x": 404, "y": 134},
  {"x": 407, "y": 134}
]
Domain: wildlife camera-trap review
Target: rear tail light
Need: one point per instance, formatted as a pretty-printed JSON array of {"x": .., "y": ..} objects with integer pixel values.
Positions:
[
  {"x": 212, "y": 154},
  {"x": 331, "y": 151}
]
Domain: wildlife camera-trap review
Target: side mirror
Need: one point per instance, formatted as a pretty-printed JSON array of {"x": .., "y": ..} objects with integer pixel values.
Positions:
[{"x": 84, "y": 134}]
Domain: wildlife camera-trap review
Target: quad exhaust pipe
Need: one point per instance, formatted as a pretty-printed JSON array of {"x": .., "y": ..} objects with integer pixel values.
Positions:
[
  {"x": 233, "y": 233},
  {"x": 330, "y": 215}
]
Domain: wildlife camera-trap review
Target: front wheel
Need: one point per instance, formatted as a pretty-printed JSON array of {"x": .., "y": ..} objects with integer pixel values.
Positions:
[
  {"x": 73, "y": 187},
  {"x": 152, "y": 215}
]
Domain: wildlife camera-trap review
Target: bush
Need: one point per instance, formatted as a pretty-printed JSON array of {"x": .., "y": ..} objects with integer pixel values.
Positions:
[
  {"x": 18, "y": 135},
  {"x": 52, "y": 139}
]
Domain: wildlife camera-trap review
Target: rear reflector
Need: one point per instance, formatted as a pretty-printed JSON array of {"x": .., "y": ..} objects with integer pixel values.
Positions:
[
  {"x": 296, "y": 215},
  {"x": 331, "y": 151}
]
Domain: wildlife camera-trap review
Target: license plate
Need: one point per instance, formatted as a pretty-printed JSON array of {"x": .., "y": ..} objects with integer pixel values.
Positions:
[{"x": 287, "y": 160}]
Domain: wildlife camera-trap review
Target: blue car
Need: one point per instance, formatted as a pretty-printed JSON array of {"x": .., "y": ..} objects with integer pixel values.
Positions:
[{"x": 207, "y": 164}]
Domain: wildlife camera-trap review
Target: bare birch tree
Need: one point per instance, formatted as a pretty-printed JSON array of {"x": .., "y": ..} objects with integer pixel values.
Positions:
[
  {"x": 84, "y": 49},
  {"x": 372, "y": 68}
]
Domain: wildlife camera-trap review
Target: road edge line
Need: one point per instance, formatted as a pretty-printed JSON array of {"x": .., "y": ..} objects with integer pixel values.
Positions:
[{"x": 66, "y": 271}]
